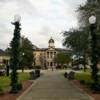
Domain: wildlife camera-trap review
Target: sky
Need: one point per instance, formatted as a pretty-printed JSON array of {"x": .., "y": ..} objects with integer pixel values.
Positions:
[{"x": 40, "y": 20}]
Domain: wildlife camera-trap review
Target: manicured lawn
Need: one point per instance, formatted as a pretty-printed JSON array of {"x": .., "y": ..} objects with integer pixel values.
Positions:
[
  {"x": 83, "y": 76},
  {"x": 5, "y": 81},
  {"x": 86, "y": 76},
  {"x": 23, "y": 76}
]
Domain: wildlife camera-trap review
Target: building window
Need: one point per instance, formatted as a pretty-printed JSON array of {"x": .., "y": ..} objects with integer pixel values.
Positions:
[
  {"x": 48, "y": 63},
  {"x": 51, "y": 54},
  {"x": 51, "y": 64},
  {"x": 47, "y": 54}
]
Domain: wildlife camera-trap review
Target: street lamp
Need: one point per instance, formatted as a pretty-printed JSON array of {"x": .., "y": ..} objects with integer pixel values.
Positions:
[
  {"x": 94, "y": 56},
  {"x": 22, "y": 66},
  {"x": 92, "y": 19},
  {"x": 15, "y": 44},
  {"x": 17, "y": 18}
]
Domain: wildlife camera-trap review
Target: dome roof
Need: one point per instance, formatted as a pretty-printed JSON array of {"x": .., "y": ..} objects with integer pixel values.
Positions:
[{"x": 51, "y": 40}]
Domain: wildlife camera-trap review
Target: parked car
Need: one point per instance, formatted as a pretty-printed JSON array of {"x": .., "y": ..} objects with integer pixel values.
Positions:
[
  {"x": 2, "y": 72},
  {"x": 76, "y": 68}
]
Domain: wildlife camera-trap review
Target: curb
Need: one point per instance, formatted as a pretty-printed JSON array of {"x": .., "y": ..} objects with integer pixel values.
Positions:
[{"x": 27, "y": 90}]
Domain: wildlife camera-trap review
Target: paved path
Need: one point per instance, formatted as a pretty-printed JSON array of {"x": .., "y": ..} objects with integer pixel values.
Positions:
[{"x": 53, "y": 86}]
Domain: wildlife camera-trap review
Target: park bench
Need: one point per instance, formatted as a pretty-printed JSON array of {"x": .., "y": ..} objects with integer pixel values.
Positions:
[
  {"x": 70, "y": 75},
  {"x": 35, "y": 74}
]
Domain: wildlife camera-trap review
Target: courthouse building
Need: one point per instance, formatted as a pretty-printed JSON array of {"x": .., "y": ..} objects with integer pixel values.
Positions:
[{"x": 44, "y": 57}]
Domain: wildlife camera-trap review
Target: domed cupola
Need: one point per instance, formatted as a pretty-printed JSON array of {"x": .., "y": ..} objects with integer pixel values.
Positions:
[{"x": 51, "y": 42}]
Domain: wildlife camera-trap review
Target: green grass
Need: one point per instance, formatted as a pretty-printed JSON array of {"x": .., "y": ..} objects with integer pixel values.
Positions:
[
  {"x": 83, "y": 76},
  {"x": 23, "y": 76},
  {"x": 5, "y": 81},
  {"x": 85, "y": 79},
  {"x": 86, "y": 76}
]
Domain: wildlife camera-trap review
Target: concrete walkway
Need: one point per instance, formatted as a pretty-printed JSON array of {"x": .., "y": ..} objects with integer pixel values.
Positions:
[{"x": 53, "y": 86}]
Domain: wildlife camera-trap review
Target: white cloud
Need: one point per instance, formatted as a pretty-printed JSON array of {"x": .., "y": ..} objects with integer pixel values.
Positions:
[{"x": 41, "y": 19}]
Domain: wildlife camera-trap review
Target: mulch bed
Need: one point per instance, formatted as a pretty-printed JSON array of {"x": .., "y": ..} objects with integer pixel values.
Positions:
[
  {"x": 96, "y": 96},
  {"x": 9, "y": 96}
]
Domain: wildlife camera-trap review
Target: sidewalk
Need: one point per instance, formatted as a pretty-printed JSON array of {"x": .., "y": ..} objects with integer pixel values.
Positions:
[{"x": 53, "y": 86}]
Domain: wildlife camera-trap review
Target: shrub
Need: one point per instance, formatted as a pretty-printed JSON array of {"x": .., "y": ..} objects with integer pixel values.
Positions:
[
  {"x": 19, "y": 86},
  {"x": 82, "y": 82},
  {"x": 58, "y": 67},
  {"x": 14, "y": 88},
  {"x": 95, "y": 87},
  {"x": 88, "y": 84},
  {"x": 1, "y": 91}
]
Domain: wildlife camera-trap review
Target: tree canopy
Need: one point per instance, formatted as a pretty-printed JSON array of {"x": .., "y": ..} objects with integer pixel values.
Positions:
[
  {"x": 26, "y": 52},
  {"x": 26, "y": 57},
  {"x": 62, "y": 58},
  {"x": 92, "y": 7},
  {"x": 78, "y": 40}
]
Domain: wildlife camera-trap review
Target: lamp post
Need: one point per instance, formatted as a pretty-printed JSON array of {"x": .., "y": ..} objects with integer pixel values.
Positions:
[
  {"x": 22, "y": 61},
  {"x": 94, "y": 56},
  {"x": 15, "y": 43}
]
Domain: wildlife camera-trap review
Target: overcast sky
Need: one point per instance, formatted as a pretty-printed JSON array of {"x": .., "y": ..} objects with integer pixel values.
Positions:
[{"x": 40, "y": 19}]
